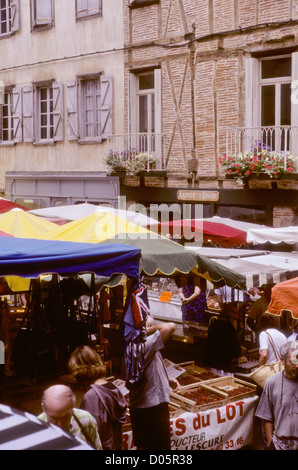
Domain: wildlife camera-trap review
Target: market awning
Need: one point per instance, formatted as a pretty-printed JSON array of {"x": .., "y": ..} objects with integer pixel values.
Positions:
[
  {"x": 284, "y": 296},
  {"x": 32, "y": 258},
  {"x": 258, "y": 267},
  {"x": 6, "y": 205},
  {"x": 159, "y": 255},
  {"x": 218, "y": 231},
  {"x": 77, "y": 211},
  {"x": 21, "y": 224},
  {"x": 275, "y": 236},
  {"x": 24, "y": 431}
]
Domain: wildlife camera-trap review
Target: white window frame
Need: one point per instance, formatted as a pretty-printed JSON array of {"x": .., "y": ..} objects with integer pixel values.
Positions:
[
  {"x": 95, "y": 110},
  {"x": 134, "y": 111},
  {"x": 48, "y": 114},
  {"x": 12, "y": 22},
  {"x": 86, "y": 9},
  {"x": 8, "y": 92},
  {"x": 253, "y": 84},
  {"x": 42, "y": 14}
]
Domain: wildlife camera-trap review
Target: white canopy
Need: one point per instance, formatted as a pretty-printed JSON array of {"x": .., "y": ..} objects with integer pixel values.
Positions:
[
  {"x": 78, "y": 211},
  {"x": 287, "y": 235}
]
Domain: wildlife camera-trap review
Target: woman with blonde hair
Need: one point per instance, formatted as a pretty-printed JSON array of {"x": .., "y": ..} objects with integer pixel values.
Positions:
[{"x": 103, "y": 399}]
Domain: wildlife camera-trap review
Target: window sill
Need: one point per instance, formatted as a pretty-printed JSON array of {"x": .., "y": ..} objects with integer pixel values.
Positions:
[
  {"x": 88, "y": 17},
  {"x": 9, "y": 143},
  {"x": 91, "y": 141},
  {"x": 44, "y": 142}
]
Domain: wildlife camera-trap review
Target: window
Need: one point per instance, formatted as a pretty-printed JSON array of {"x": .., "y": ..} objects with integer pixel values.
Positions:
[
  {"x": 9, "y": 17},
  {"x": 42, "y": 14},
  {"x": 145, "y": 111},
  {"x": 45, "y": 113},
  {"x": 89, "y": 108},
  {"x": 88, "y": 8},
  {"x": 7, "y": 134},
  {"x": 268, "y": 101},
  {"x": 275, "y": 110}
]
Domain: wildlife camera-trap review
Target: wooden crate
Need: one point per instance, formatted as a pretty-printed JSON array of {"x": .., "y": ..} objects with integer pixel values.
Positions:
[
  {"x": 196, "y": 373},
  {"x": 215, "y": 398},
  {"x": 232, "y": 387}
]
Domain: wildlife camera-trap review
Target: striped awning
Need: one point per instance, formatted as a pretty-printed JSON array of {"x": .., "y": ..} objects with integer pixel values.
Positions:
[{"x": 24, "y": 431}]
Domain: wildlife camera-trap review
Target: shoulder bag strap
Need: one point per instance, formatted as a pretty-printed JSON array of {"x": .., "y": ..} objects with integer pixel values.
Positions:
[
  {"x": 273, "y": 346},
  {"x": 83, "y": 431}
]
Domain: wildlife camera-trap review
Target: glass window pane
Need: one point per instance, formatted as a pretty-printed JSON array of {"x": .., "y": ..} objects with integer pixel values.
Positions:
[
  {"x": 143, "y": 113},
  {"x": 146, "y": 82},
  {"x": 285, "y": 104},
  {"x": 268, "y": 105},
  {"x": 274, "y": 68}
]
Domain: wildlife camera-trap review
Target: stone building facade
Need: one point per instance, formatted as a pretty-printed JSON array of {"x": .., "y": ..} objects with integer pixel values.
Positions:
[{"x": 61, "y": 68}]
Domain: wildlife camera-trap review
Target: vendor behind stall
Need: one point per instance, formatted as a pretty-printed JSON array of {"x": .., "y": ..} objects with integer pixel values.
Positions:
[
  {"x": 193, "y": 296},
  {"x": 223, "y": 346}
]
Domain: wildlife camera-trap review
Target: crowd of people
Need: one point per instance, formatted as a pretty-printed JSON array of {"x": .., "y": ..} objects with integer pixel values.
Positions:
[{"x": 103, "y": 410}]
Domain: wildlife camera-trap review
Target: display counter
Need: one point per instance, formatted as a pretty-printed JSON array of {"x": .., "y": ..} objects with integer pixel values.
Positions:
[{"x": 212, "y": 414}]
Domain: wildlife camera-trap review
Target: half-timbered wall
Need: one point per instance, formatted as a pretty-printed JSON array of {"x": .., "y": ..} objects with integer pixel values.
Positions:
[{"x": 201, "y": 47}]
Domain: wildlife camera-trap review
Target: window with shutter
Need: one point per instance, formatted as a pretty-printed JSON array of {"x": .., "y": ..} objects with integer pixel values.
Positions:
[
  {"x": 89, "y": 104},
  {"x": 9, "y": 17},
  {"x": 88, "y": 8},
  {"x": 42, "y": 14}
]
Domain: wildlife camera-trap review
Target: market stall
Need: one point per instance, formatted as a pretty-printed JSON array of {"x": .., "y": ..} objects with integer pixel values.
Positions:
[
  {"x": 51, "y": 320},
  {"x": 208, "y": 412}
]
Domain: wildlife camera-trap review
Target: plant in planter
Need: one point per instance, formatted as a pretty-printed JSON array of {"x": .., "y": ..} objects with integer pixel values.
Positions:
[
  {"x": 129, "y": 161},
  {"x": 242, "y": 165}
]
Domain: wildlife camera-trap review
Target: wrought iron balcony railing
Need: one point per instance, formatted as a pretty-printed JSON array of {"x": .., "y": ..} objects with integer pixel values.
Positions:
[
  {"x": 278, "y": 140},
  {"x": 150, "y": 144}
]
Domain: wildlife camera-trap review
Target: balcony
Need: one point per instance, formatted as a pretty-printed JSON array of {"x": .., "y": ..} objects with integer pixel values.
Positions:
[
  {"x": 280, "y": 141},
  {"x": 151, "y": 146}
]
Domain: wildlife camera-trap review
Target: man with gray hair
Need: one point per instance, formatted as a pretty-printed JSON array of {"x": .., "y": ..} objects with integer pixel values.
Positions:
[
  {"x": 58, "y": 403},
  {"x": 278, "y": 406}
]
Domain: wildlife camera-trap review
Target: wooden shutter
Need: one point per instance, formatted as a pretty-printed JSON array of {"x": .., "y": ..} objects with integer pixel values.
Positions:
[
  {"x": 252, "y": 92},
  {"x": 72, "y": 110},
  {"x": 158, "y": 115},
  {"x": 17, "y": 114},
  {"x": 28, "y": 114},
  {"x": 58, "y": 133},
  {"x": 15, "y": 15},
  {"x": 1, "y": 121},
  {"x": 88, "y": 8},
  {"x": 42, "y": 13},
  {"x": 133, "y": 109},
  {"x": 106, "y": 106},
  {"x": 294, "y": 105},
  {"x": 94, "y": 7}
]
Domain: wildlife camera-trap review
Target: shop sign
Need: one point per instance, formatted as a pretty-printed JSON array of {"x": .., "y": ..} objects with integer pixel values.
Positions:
[
  {"x": 197, "y": 196},
  {"x": 228, "y": 427}
]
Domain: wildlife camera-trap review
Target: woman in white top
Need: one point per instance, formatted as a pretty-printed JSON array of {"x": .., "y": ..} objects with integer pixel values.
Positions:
[{"x": 270, "y": 339}]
